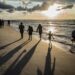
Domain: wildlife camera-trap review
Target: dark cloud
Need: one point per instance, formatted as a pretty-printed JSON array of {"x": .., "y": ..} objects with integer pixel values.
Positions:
[
  {"x": 5, "y": 6},
  {"x": 20, "y": 8},
  {"x": 44, "y": 6},
  {"x": 66, "y": 7}
]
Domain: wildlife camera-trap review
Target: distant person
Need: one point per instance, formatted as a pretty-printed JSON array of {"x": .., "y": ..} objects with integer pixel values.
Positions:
[
  {"x": 30, "y": 31},
  {"x": 50, "y": 36},
  {"x": 73, "y": 36},
  {"x": 1, "y": 23},
  {"x": 8, "y": 22},
  {"x": 39, "y": 29},
  {"x": 21, "y": 28}
]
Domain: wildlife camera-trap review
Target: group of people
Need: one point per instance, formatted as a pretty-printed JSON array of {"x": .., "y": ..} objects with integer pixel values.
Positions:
[
  {"x": 2, "y": 22},
  {"x": 30, "y": 31}
]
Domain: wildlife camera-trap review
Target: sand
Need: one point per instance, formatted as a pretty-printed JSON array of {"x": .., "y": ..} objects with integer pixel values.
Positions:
[{"x": 32, "y": 57}]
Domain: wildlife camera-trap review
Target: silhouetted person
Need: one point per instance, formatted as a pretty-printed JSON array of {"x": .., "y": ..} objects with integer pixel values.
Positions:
[
  {"x": 1, "y": 23},
  {"x": 8, "y": 22},
  {"x": 50, "y": 35},
  {"x": 21, "y": 28},
  {"x": 73, "y": 36},
  {"x": 30, "y": 31},
  {"x": 39, "y": 29}
]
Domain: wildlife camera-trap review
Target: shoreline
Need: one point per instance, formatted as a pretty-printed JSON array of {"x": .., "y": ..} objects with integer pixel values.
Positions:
[{"x": 31, "y": 55}]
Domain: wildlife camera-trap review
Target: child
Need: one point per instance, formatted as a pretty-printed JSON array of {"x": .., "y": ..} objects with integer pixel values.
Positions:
[{"x": 50, "y": 35}]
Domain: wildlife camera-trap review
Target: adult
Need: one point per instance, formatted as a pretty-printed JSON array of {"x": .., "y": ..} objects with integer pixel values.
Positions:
[
  {"x": 21, "y": 28},
  {"x": 73, "y": 36},
  {"x": 39, "y": 29},
  {"x": 30, "y": 31}
]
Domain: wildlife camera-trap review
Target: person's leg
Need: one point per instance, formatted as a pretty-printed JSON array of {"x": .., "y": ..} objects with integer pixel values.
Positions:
[
  {"x": 21, "y": 35},
  {"x": 40, "y": 35},
  {"x": 31, "y": 37},
  {"x": 50, "y": 43}
]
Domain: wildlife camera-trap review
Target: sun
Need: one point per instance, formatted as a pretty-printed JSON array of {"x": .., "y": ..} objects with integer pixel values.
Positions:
[{"x": 52, "y": 11}]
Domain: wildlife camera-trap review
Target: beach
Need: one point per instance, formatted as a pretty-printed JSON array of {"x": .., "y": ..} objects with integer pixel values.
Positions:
[{"x": 35, "y": 57}]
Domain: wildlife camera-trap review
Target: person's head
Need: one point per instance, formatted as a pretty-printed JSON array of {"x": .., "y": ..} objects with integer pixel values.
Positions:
[
  {"x": 21, "y": 23},
  {"x": 29, "y": 26},
  {"x": 49, "y": 32},
  {"x": 39, "y": 24}
]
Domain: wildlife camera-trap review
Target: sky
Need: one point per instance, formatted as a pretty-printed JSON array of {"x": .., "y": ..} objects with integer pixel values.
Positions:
[{"x": 39, "y": 9}]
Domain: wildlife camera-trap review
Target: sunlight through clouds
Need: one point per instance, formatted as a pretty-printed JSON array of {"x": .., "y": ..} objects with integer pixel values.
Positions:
[{"x": 52, "y": 11}]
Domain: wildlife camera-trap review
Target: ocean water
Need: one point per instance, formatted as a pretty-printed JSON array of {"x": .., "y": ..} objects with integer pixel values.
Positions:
[{"x": 61, "y": 30}]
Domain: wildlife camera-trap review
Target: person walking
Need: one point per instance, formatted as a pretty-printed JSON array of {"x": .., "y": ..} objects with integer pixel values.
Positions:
[
  {"x": 21, "y": 28},
  {"x": 39, "y": 29},
  {"x": 30, "y": 31}
]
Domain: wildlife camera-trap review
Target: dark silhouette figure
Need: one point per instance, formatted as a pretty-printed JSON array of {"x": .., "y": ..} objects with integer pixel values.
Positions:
[
  {"x": 73, "y": 36},
  {"x": 39, "y": 29},
  {"x": 8, "y": 22},
  {"x": 1, "y": 23},
  {"x": 49, "y": 70},
  {"x": 30, "y": 31},
  {"x": 16, "y": 69},
  {"x": 21, "y": 28},
  {"x": 10, "y": 54}
]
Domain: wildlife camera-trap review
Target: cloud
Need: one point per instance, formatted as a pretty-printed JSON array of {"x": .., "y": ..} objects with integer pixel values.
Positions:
[
  {"x": 5, "y": 6},
  {"x": 44, "y": 6},
  {"x": 66, "y": 7}
]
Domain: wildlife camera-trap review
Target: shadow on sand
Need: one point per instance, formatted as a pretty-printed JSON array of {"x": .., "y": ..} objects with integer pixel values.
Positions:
[
  {"x": 12, "y": 52},
  {"x": 9, "y": 44},
  {"x": 16, "y": 70},
  {"x": 48, "y": 69}
]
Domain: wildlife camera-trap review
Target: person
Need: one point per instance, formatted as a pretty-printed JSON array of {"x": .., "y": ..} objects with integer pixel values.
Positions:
[
  {"x": 50, "y": 35},
  {"x": 21, "y": 28},
  {"x": 39, "y": 29},
  {"x": 8, "y": 22},
  {"x": 73, "y": 36},
  {"x": 30, "y": 31},
  {"x": 1, "y": 23}
]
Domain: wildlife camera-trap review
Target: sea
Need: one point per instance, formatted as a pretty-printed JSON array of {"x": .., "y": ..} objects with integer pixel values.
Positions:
[{"x": 61, "y": 30}]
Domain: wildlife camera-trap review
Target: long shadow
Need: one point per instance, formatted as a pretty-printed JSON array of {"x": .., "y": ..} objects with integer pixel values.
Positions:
[
  {"x": 9, "y": 44},
  {"x": 48, "y": 69},
  {"x": 16, "y": 70},
  {"x": 12, "y": 52},
  {"x": 11, "y": 66}
]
